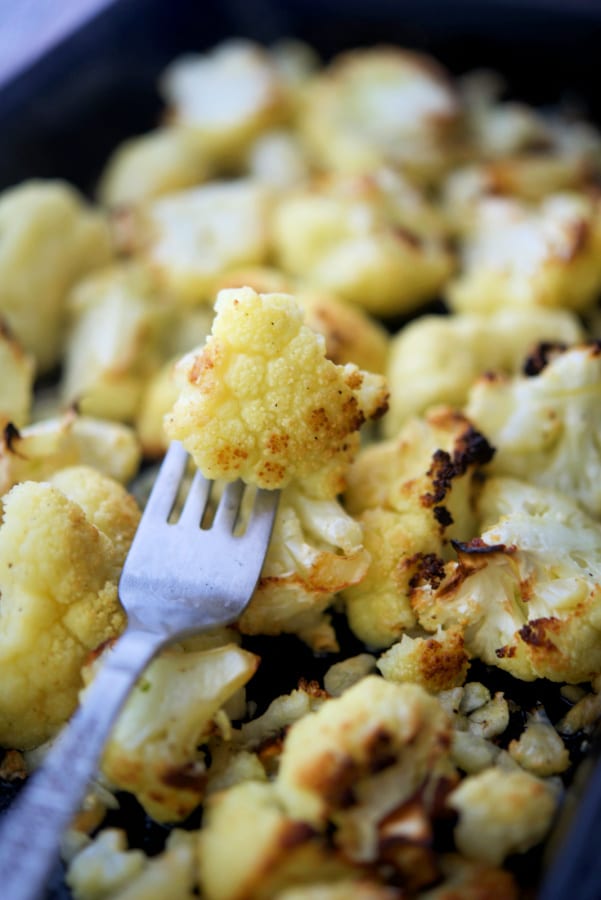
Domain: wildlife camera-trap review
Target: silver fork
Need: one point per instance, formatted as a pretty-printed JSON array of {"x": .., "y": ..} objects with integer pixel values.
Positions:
[{"x": 178, "y": 579}]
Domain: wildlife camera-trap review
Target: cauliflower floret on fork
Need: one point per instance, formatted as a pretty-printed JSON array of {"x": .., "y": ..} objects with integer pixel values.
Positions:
[{"x": 261, "y": 402}]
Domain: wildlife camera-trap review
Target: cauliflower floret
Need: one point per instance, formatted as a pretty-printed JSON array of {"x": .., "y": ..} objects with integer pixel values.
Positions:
[
  {"x": 410, "y": 495},
  {"x": 440, "y": 357},
  {"x": 153, "y": 749},
  {"x": 375, "y": 745},
  {"x": 107, "y": 869},
  {"x": 191, "y": 238},
  {"x": 153, "y": 164},
  {"x": 465, "y": 879},
  {"x": 341, "y": 890},
  {"x": 158, "y": 397},
  {"x": 114, "y": 342},
  {"x": 60, "y": 560},
  {"x": 519, "y": 256},
  {"x": 359, "y": 237},
  {"x": 37, "y": 451},
  {"x": 48, "y": 240},
  {"x": 539, "y": 749},
  {"x": 251, "y": 847},
  {"x": 500, "y": 813},
  {"x": 526, "y": 592},
  {"x": 344, "y": 674},
  {"x": 543, "y": 423},
  {"x": 279, "y": 715},
  {"x": 382, "y": 105},
  {"x": 316, "y": 550},
  {"x": 436, "y": 663},
  {"x": 17, "y": 370},
  {"x": 278, "y": 158},
  {"x": 261, "y": 402},
  {"x": 226, "y": 97}
]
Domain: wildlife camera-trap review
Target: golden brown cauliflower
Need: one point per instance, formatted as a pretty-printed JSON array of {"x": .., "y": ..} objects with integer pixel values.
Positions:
[
  {"x": 525, "y": 592},
  {"x": 48, "y": 240},
  {"x": 62, "y": 546},
  {"x": 435, "y": 359},
  {"x": 382, "y": 105},
  {"x": 371, "y": 239},
  {"x": 522, "y": 256},
  {"x": 359, "y": 757},
  {"x": 153, "y": 751},
  {"x": 261, "y": 402},
  {"x": 410, "y": 495},
  {"x": 16, "y": 379}
]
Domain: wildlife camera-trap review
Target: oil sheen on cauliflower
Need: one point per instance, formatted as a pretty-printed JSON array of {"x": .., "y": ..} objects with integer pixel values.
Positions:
[
  {"x": 526, "y": 592},
  {"x": 543, "y": 423},
  {"x": 261, "y": 402},
  {"x": 62, "y": 546}
]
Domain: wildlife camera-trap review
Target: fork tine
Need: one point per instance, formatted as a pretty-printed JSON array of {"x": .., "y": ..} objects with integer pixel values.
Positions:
[
  {"x": 262, "y": 517},
  {"x": 196, "y": 501},
  {"x": 229, "y": 506},
  {"x": 164, "y": 492}
]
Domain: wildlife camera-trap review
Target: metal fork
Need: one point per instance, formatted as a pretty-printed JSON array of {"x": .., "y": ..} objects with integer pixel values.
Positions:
[{"x": 178, "y": 579}]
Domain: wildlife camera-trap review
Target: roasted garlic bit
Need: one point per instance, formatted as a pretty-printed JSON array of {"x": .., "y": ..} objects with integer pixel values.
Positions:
[
  {"x": 62, "y": 545},
  {"x": 48, "y": 239},
  {"x": 190, "y": 239},
  {"x": 382, "y": 106},
  {"x": 522, "y": 256},
  {"x": 114, "y": 341},
  {"x": 434, "y": 360},
  {"x": 226, "y": 97},
  {"x": 153, "y": 164},
  {"x": 260, "y": 401},
  {"x": 501, "y": 812},
  {"x": 154, "y": 751},
  {"x": 39, "y": 450},
  {"x": 251, "y": 848},
  {"x": 540, "y": 749},
  {"x": 525, "y": 592},
  {"x": 371, "y": 239},
  {"x": 106, "y": 868},
  {"x": 359, "y": 758},
  {"x": 543, "y": 423},
  {"x": 17, "y": 369},
  {"x": 437, "y": 663}
]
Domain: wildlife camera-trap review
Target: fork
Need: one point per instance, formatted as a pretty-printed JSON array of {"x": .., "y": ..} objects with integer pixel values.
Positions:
[{"x": 178, "y": 579}]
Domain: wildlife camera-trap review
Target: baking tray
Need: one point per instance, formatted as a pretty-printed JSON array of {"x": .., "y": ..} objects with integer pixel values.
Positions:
[{"x": 61, "y": 115}]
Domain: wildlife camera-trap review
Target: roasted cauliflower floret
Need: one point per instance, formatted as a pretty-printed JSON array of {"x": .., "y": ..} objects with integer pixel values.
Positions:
[
  {"x": 359, "y": 757},
  {"x": 380, "y": 106},
  {"x": 278, "y": 159},
  {"x": 359, "y": 237},
  {"x": 435, "y": 359},
  {"x": 252, "y": 847},
  {"x": 316, "y": 550},
  {"x": 60, "y": 560},
  {"x": 191, "y": 238},
  {"x": 261, "y": 402},
  {"x": 106, "y": 868},
  {"x": 437, "y": 663},
  {"x": 153, "y": 749},
  {"x": 48, "y": 240},
  {"x": 543, "y": 423},
  {"x": 410, "y": 496},
  {"x": 17, "y": 369},
  {"x": 37, "y": 451},
  {"x": 526, "y": 591},
  {"x": 153, "y": 164},
  {"x": 501, "y": 812},
  {"x": 540, "y": 749},
  {"x": 226, "y": 97},
  {"x": 518, "y": 256},
  {"x": 114, "y": 342}
]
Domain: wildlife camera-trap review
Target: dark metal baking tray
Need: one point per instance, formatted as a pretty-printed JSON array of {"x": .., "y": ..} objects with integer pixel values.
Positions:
[{"x": 62, "y": 115}]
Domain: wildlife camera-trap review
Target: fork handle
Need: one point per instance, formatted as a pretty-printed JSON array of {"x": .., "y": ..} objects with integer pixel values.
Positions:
[{"x": 31, "y": 831}]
